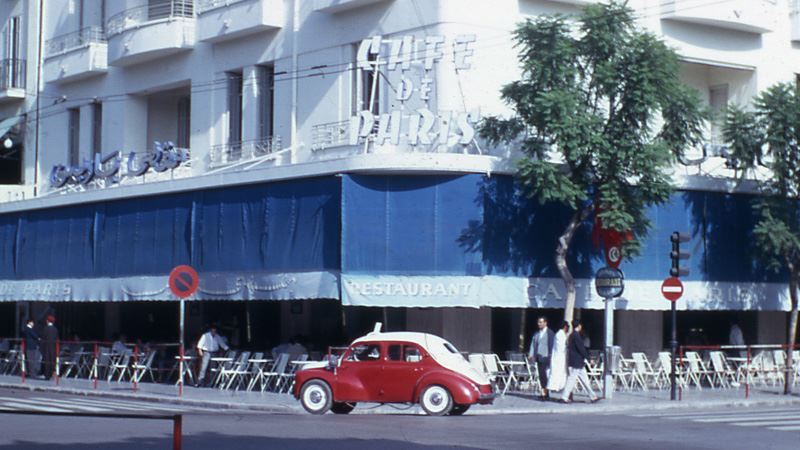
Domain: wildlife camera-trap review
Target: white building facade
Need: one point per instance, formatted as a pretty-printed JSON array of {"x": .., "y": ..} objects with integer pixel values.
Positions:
[{"x": 112, "y": 101}]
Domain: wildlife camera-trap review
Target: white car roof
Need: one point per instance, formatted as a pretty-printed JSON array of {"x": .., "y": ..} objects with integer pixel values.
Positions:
[{"x": 421, "y": 339}]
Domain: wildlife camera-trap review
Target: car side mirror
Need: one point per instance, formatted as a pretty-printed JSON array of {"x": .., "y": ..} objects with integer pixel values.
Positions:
[{"x": 332, "y": 363}]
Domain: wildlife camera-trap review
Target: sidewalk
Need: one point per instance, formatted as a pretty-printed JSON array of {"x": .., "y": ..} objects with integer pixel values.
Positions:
[{"x": 512, "y": 403}]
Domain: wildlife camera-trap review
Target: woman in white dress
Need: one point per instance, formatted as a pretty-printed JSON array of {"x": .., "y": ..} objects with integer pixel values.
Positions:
[{"x": 558, "y": 360}]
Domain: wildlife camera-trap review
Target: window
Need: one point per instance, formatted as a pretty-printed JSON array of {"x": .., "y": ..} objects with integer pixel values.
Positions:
[
  {"x": 266, "y": 101},
  {"x": 12, "y": 68},
  {"x": 97, "y": 128},
  {"x": 184, "y": 121},
  {"x": 718, "y": 101},
  {"x": 395, "y": 353},
  {"x": 235, "y": 114},
  {"x": 366, "y": 86},
  {"x": 412, "y": 354},
  {"x": 365, "y": 352},
  {"x": 74, "y": 123}
]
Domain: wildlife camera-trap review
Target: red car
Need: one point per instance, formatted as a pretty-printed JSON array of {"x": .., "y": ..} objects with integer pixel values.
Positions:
[{"x": 401, "y": 367}]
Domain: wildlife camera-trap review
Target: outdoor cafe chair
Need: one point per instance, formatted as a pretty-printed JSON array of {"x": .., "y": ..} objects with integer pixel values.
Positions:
[
  {"x": 235, "y": 372},
  {"x": 286, "y": 379},
  {"x": 721, "y": 371},
  {"x": 522, "y": 370},
  {"x": 697, "y": 372},
  {"x": 495, "y": 372},
  {"x": 476, "y": 361},
  {"x": 278, "y": 367},
  {"x": 220, "y": 363},
  {"x": 144, "y": 367},
  {"x": 71, "y": 363},
  {"x": 119, "y": 366},
  {"x": 643, "y": 371}
]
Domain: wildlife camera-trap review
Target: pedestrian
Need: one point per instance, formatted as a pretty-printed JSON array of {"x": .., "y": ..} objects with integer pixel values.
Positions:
[
  {"x": 209, "y": 343},
  {"x": 49, "y": 340},
  {"x": 736, "y": 337},
  {"x": 558, "y": 360},
  {"x": 540, "y": 351},
  {"x": 31, "y": 348},
  {"x": 576, "y": 361}
]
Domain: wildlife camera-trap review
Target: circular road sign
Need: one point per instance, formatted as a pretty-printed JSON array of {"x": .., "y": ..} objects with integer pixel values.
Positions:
[
  {"x": 672, "y": 289},
  {"x": 609, "y": 282},
  {"x": 614, "y": 256},
  {"x": 183, "y": 281}
]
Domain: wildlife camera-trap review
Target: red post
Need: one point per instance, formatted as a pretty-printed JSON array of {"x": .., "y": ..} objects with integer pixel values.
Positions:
[
  {"x": 24, "y": 362},
  {"x": 96, "y": 365},
  {"x": 177, "y": 432},
  {"x": 135, "y": 363},
  {"x": 747, "y": 376},
  {"x": 58, "y": 361},
  {"x": 680, "y": 367}
]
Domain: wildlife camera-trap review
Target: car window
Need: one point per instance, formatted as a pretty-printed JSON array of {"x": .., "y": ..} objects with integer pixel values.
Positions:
[
  {"x": 395, "y": 353},
  {"x": 365, "y": 352},
  {"x": 412, "y": 354},
  {"x": 449, "y": 347}
]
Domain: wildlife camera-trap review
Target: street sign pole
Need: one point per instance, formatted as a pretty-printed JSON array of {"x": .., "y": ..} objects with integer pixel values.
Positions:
[
  {"x": 608, "y": 377},
  {"x": 183, "y": 282},
  {"x": 180, "y": 350},
  {"x": 673, "y": 344}
]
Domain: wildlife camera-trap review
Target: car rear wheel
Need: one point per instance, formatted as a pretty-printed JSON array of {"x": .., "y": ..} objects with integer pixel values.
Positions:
[
  {"x": 316, "y": 397},
  {"x": 342, "y": 408},
  {"x": 436, "y": 400},
  {"x": 459, "y": 410}
]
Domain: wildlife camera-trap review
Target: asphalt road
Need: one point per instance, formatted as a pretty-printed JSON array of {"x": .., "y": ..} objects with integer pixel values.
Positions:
[{"x": 746, "y": 428}]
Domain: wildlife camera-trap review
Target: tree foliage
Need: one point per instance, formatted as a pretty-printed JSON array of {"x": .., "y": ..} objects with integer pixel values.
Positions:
[
  {"x": 768, "y": 135},
  {"x": 601, "y": 115}
]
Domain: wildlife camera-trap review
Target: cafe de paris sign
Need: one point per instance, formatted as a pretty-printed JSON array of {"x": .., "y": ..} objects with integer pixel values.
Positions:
[{"x": 404, "y": 57}]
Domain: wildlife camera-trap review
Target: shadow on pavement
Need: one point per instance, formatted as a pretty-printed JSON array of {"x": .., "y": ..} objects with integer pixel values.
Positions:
[{"x": 218, "y": 441}]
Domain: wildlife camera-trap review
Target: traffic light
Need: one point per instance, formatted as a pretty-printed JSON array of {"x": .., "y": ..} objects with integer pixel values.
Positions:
[{"x": 677, "y": 255}]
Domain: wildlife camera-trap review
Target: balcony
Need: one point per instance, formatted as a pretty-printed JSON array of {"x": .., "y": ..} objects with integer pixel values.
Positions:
[
  {"x": 220, "y": 20},
  {"x": 12, "y": 80},
  {"x": 149, "y": 32},
  {"x": 244, "y": 153},
  {"x": 337, "y": 6},
  {"x": 752, "y": 16},
  {"x": 76, "y": 56}
]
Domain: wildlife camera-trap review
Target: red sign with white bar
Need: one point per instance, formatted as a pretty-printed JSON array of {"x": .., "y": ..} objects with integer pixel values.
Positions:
[{"x": 672, "y": 289}]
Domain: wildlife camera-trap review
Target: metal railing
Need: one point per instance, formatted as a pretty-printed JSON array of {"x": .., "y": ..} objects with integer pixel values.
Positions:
[
  {"x": 141, "y": 15},
  {"x": 243, "y": 150},
  {"x": 328, "y": 135},
  {"x": 77, "y": 39},
  {"x": 12, "y": 74},
  {"x": 207, "y": 5}
]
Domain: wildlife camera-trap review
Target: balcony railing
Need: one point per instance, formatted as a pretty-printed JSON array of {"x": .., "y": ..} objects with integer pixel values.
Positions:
[
  {"x": 130, "y": 18},
  {"x": 77, "y": 39},
  {"x": 243, "y": 151},
  {"x": 208, "y": 5},
  {"x": 328, "y": 135},
  {"x": 12, "y": 74}
]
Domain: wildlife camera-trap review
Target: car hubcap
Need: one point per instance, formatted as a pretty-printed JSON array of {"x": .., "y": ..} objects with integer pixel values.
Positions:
[
  {"x": 435, "y": 399},
  {"x": 315, "y": 397}
]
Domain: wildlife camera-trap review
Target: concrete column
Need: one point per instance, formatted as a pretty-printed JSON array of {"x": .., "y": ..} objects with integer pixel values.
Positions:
[
  {"x": 640, "y": 331},
  {"x": 112, "y": 320},
  {"x": 771, "y": 327},
  {"x": 128, "y": 119},
  {"x": 468, "y": 329},
  {"x": 208, "y": 121},
  {"x": 250, "y": 97}
]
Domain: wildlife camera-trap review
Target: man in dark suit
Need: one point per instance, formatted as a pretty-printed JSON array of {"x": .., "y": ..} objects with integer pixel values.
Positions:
[
  {"x": 49, "y": 339},
  {"x": 576, "y": 361},
  {"x": 31, "y": 348},
  {"x": 541, "y": 350}
]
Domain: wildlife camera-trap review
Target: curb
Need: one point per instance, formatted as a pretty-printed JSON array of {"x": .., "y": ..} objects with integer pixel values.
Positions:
[
  {"x": 156, "y": 398},
  {"x": 608, "y": 408}
]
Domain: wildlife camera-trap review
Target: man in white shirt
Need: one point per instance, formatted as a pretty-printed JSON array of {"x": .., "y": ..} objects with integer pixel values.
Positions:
[{"x": 209, "y": 343}]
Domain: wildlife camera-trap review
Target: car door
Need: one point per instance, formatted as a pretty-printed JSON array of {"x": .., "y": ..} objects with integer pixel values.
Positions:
[
  {"x": 358, "y": 377},
  {"x": 402, "y": 368}
]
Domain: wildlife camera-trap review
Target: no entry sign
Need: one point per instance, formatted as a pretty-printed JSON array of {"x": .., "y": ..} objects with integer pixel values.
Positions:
[
  {"x": 672, "y": 289},
  {"x": 183, "y": 281}
]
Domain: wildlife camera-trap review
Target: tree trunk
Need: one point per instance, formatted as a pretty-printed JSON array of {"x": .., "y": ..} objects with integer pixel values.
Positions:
[
  {"x": 564, "y": 242},
  {"x": 793, "y": 277}
]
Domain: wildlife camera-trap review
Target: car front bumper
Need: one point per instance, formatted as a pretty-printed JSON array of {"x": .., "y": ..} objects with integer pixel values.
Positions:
[{"x": 486, "y": 399}]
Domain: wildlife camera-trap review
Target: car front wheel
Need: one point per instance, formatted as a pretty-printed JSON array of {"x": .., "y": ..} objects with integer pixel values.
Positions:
[
  {"x": 316, "y": 397},
  {"x": 342, "y": 408},
  {"x": 436, "y": 400}
]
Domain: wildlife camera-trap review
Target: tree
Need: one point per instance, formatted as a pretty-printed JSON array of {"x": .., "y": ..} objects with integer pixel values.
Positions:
[
  {"x": 769, "y": 135},
  {"x": 601, "y": 115}
]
